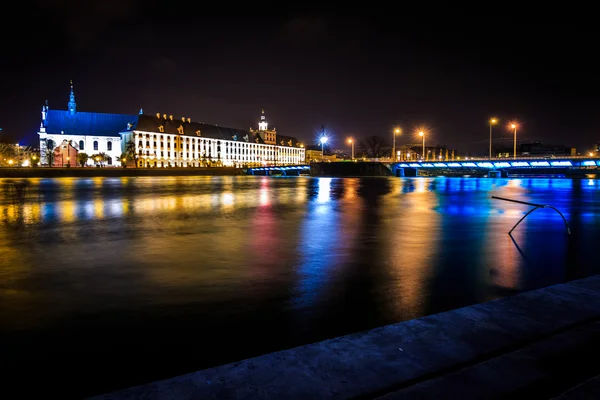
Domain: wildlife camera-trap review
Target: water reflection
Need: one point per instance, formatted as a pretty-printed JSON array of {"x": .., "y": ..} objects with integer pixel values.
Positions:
[{"x": 178, "y": 261}]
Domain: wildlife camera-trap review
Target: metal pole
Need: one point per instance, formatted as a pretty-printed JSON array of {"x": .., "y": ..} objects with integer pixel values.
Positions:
[
  {"x": 321, "y": 151},
  {"x": 515, "y": 145},
  {"x": 423, "y": 147},
  {"x": 535, "y": 207},
  {"x": 490, "y": 140},
  {"x": 353, "y": 149},
  {"x": 394, "y": 145}
]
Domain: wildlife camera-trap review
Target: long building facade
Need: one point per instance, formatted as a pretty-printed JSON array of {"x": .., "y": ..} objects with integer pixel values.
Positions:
[{"x": 161, "y": 140}]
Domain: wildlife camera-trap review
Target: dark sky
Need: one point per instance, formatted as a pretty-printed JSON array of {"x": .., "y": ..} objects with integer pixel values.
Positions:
[{"x": 357, "y": 75}]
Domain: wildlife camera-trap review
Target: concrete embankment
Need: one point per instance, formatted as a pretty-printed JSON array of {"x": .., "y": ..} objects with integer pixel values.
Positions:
[
  {"x": 114, "y": 172},
  {"x": 349, "y": 169},
  {"x": 531, "y": 345}
]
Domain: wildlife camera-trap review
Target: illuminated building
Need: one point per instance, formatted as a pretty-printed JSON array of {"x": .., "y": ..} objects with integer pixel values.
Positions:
[
  {"x": 88, "y": 132},
  {"x": 162, "y": 141}
]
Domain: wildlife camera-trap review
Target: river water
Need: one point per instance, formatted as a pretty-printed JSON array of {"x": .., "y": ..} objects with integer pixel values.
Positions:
[{"x": 110, "y": 282}]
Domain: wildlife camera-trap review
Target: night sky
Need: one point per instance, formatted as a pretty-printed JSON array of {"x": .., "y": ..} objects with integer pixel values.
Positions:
[{"x": 358, "y": 76}]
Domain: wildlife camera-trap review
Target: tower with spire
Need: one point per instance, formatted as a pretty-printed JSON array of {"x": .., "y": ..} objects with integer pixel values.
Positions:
[
  {"x": 269, "y": 136},
  {"x": 262, "y": 124},
  {"x": 72, "y": 106}
]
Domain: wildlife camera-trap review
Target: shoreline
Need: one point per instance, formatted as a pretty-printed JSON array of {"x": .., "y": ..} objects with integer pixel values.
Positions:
[
  {"x": 519, "y": 344},
  {"x": 116, "y": 172}
]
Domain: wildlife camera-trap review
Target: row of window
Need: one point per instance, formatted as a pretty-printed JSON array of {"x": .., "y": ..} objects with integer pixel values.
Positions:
[
  {"x": 108, "y": 145},
  {"x": 281, "y": 156}
]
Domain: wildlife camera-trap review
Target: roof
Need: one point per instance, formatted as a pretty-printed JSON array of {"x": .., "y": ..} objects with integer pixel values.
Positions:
[
  {"x": 289, "y": 141},
  {"x": 150, "y": 123},
  {"x": 86, "y": 123}
]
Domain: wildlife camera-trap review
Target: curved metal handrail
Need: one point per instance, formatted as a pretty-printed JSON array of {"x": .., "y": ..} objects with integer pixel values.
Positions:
[{"x": 535, "y": 207}]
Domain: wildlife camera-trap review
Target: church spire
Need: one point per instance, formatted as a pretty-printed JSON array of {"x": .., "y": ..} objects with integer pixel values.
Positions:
[{"x": 72, "y": 106}]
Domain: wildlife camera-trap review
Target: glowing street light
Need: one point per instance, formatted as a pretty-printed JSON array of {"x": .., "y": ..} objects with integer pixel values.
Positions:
[
  {"x": 351, "y": 141},
  {"x": 397, "y": 131},
  {"x": 422, "y": 134},
  {"x": 323, "y": 141},
  {"x": 514, "y": 126},
  {"x": 492, "y": 122}
]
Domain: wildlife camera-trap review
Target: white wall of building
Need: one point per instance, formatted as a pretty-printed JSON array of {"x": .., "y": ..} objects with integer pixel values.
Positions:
[
  {"x": 89, "y": 147},
  {"x": 162, "y": 149}
]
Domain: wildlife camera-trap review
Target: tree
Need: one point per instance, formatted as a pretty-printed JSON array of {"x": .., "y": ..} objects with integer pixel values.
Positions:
[
  {"x": 6, "y": 153},
  {"x": 130, "y": 152},
  {"x": 101, "y": 158},
  {"x": 48, "y": 151},
  {"x": 123, "y": 160},
  {"x": 82, "y": 158},
  {"x": 373, "y": 147}
]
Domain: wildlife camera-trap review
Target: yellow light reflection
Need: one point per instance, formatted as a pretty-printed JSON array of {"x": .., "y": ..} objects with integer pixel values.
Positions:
[
  {"x": 412, "y": 255},
  {"x": 227, "y": 200},
  {"x": 98, "y": 208},
  {"x": 67, "y": 211}
]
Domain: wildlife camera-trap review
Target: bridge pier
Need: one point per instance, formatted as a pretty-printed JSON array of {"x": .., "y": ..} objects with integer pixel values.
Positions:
[{"x": 411, "y": 172}]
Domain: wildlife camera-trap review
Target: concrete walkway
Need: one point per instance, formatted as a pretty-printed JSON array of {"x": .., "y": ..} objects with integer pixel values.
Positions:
[{"x": 537, "y": 344}]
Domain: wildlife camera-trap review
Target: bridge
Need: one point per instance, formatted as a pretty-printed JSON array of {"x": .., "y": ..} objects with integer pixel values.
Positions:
[
  {"x": 497, "y": 168},
  {"x": 475, "y": 167},
  {"x": 283, "y": 170}
]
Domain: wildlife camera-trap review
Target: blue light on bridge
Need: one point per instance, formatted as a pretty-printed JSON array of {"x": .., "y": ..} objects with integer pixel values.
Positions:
[
  {"x": 501, "y": 164},
  {"x": 540, "y": 164},
  {"x": 440, "y": 164},
  {"x": 561, "y": 164},
  {"x": 428, "y": 165},
  {"x": 469, "y": 164},
  {"x": 453, "y": 164},
  {"x": 589, "y": 163},
  {"x": 485, "y": 165},
  {"x": 415, "y": 165},
  {"x": 520, "y": 164},
  {"x": 403, "y": 165}
]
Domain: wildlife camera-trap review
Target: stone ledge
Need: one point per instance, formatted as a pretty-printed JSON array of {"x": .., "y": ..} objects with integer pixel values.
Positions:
[{"x": 386, "y": 359}]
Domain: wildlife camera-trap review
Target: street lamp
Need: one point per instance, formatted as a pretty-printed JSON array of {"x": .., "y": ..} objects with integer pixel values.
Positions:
[
  {"x": 351, "y": 141},
  {"x": 397, "y": 131},
  {"x": 323, "y": 141},
  {"x": 514, "y": 127},
  {"x": 492, "y": 122},
  {"x": 422, "y": 134}
]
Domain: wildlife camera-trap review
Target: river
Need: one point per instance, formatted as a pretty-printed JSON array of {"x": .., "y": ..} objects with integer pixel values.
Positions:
[{"x": 110, "y": 282}]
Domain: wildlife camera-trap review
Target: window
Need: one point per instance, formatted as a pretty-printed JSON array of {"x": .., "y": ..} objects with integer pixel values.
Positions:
[
  {"x": 109, "y": 146},
  {"x": 95, "y": 145},
  {"x": 81, "y": 147}
]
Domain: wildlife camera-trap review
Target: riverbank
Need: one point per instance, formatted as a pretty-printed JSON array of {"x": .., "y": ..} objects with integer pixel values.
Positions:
[
  {"x": 537, "y": 344},
  {"x": 112, "y": 172}
]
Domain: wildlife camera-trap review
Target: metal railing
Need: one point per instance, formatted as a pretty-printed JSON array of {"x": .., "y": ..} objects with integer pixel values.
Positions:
[{"x": 535, "y": 207}]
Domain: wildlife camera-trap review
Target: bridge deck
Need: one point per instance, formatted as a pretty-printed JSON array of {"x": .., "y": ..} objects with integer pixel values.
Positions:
[{"x": 493, "y": 164}]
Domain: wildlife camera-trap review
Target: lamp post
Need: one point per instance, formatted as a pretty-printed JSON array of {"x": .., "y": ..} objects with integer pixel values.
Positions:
[
  {"x": 422, "y": 134},
  {"x": 514, "y": 126},
  {"x": 397, "y": 131},
  {"x": 492, "y": 122},
  {"x": 323, "y": 141},
  {"x": 351, "y": 141}
]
